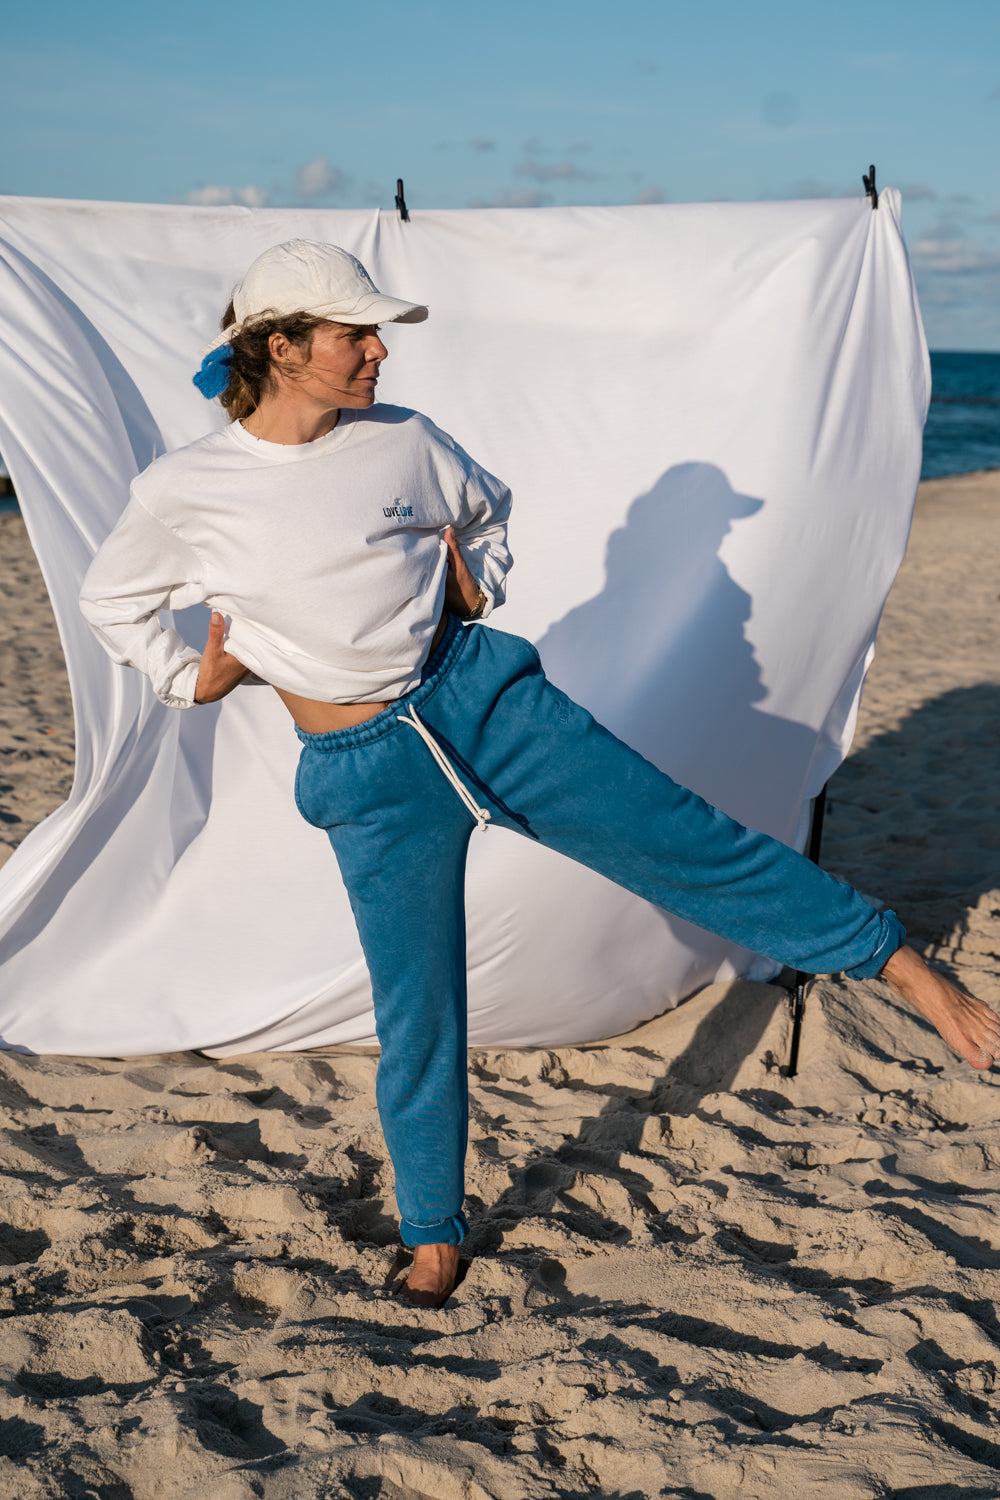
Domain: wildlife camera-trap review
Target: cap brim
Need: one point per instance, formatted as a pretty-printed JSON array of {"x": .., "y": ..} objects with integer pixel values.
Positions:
[{"x": 374, "y": 308}]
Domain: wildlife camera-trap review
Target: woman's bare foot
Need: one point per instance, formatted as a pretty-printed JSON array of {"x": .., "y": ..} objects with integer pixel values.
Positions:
[
  {"x": 431, "y": 1280},
  {"x": 968, "y": 1025}
]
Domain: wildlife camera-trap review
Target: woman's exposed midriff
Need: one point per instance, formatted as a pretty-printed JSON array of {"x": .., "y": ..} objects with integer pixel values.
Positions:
[{"x": 315, "y": 717}]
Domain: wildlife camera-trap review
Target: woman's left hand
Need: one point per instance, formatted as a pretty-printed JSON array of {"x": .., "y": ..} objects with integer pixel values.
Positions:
[
  {"x": 219, "y": 672},
  {"x": 461, "y": 591}
]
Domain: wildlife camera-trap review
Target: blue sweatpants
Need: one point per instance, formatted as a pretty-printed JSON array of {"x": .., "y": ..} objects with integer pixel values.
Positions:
[{"x": 543, "y": 767}]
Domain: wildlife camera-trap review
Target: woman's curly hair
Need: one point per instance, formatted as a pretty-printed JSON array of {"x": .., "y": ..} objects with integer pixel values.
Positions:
[{"x": 251, "y": 366}]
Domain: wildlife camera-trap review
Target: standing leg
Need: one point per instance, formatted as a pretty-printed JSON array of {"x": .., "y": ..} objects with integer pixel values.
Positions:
[{"x": 400, "y": 837}]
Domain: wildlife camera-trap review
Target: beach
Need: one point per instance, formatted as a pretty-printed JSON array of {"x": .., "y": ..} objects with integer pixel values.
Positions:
[{"x": 689, "y": 1274}]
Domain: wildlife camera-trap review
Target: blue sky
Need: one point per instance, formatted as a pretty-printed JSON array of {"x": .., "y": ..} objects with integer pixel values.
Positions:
[{"x": 526, "y": 103}]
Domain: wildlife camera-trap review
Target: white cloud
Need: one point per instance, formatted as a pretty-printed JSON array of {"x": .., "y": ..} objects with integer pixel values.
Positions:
[
  {"x": 944, "y": 248},
  {"x": 957, "y": 271},
  {"x": 253, "y": 197},
  {"x": 953, "y": 255},
  {"x": 319, "y": 179},
  {"x": 650, "y": 194},
  {"x": 216, "y": 196}
]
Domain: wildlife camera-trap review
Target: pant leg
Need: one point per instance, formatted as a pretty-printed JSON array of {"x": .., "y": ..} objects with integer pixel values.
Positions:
[
  {"x": 400, "y": 836},
  {"x": 556, "y": 775}
]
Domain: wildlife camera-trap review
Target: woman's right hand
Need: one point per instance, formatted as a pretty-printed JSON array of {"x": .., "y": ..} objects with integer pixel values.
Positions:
[
  {"x": 461, "y": 591},
  {"x": 219, "y": 672}
]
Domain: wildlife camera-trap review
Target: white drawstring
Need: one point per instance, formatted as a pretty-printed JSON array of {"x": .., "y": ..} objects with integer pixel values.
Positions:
[{"x": 481, "y": 814}]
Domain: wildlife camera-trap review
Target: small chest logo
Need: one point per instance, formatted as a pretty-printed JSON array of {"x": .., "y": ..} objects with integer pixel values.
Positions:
[{"x": 399, "y": 510}]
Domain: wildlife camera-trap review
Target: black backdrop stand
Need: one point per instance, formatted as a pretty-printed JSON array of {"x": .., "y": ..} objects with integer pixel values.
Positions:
[{"x": 800, "y": 980}]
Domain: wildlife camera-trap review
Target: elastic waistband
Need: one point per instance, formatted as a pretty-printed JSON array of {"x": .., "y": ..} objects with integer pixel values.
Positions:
[{"x": 435, "y": 670}]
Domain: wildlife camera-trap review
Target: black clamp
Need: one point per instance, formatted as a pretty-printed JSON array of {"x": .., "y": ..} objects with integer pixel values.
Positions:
[
  {"x": 401, "y": 201},
  {"x": 868, "y": 178}
]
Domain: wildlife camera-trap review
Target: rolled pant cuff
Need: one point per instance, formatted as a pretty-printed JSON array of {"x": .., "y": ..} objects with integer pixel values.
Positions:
[
  {"x": 893, "y": 933},
  {"x": 444, "y": 1232}
]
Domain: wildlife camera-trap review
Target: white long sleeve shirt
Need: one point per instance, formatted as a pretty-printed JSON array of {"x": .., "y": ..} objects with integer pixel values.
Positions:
[{"x": 327, "y": 557}]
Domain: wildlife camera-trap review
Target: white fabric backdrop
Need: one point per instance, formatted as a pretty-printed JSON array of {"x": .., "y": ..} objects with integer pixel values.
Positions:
[{"x": 710, "y": 416}]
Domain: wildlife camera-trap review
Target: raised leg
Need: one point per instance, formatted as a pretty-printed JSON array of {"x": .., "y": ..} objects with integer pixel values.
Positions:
[{"x": 557, "y": 775}]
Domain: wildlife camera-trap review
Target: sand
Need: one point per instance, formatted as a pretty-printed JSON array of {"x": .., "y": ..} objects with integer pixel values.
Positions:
[{"x": 690, "y": 1275}]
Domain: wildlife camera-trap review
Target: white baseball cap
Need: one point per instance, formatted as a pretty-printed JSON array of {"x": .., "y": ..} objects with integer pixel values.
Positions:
[{"x": 304, "y": 276}]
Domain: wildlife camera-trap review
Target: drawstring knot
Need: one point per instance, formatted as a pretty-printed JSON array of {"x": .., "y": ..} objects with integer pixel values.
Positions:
[{"x": 481, "y": 814}]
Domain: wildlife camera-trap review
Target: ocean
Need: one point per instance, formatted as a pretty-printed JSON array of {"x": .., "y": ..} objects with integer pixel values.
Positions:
[{"x": 963, "y": 424}]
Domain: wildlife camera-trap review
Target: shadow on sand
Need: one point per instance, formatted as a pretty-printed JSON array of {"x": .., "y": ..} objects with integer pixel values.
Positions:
[{"x": 913, "y": 816}]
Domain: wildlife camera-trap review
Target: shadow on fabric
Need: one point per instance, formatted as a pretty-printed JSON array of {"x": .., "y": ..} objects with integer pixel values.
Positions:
[
  {"x": 144, "y": 434},
  {"x": 661, "y": 653}
]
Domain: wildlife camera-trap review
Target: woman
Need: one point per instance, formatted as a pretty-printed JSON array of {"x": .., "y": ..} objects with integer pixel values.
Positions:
[{"x": 346, "y": 542}]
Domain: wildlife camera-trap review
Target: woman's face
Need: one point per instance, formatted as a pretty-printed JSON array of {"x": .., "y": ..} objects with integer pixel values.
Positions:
[{"x": 341, "y": 366}]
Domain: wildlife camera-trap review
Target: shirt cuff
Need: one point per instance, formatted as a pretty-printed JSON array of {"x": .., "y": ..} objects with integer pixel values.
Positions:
[
  {"x": 179, "y": 692},
  {"x": 892, "y": 934}
]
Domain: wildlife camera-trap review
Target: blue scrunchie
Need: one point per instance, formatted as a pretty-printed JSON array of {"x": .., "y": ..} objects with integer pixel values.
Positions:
[{"x": 213, "y": 377}]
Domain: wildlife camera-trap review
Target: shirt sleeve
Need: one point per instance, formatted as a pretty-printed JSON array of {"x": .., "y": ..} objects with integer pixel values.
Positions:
[
  {"x": 143, "y": 567},
  {"x": 482, "y": 532}
]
